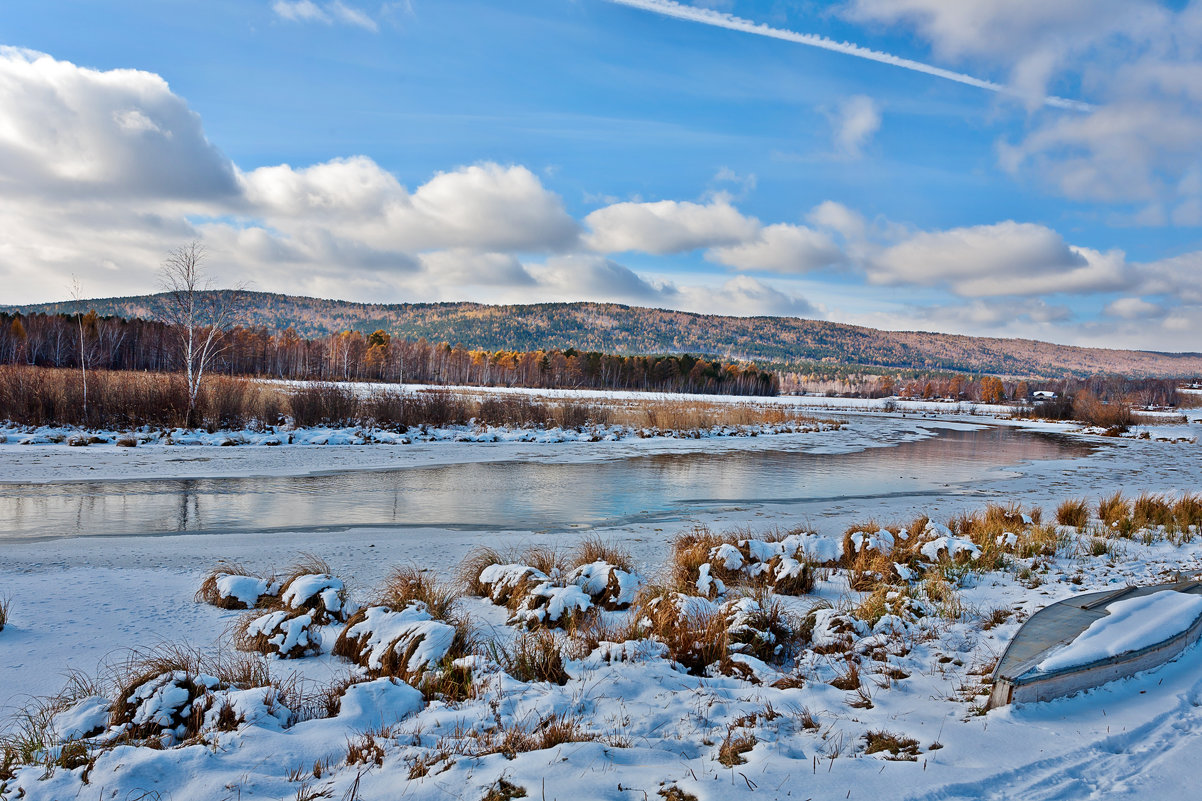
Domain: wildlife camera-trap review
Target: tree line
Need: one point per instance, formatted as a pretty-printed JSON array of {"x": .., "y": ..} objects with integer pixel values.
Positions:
[{"x": 114, "y": 343}]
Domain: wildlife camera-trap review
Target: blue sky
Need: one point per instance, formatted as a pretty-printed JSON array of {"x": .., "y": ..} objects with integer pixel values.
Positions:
[{"x": 643, "y": 151}]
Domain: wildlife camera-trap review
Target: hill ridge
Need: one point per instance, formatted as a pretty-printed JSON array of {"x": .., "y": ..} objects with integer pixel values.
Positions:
[{"x": 781, "y": 342}]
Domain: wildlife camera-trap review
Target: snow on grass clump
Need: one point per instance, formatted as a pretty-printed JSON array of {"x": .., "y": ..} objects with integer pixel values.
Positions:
[
  {"x": 312, "y": 587},
  {"x": 289, "y": 635},
  {"x": 609, "y": 586},
  {"x": 230, "y": 586},
  {"x": 402, "y": 643},
  {"x": 1131, "y": 624}
]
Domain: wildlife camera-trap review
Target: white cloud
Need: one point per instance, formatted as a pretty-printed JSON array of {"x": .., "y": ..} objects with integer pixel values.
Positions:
[
  {"x": 1138, "y": 60},
  {"x": 780, "y": 248},
  {"x": 352, "y": 16},
  {"x": 327, "y": 13},
  {"x": 459, "y": 267},
  {"x": 300, "y": 11},
  {"x": 668, "y": 226},
  {"x": 1133, "y": 309},
  {"x": 1006, "y": 258},
  {"x": 481, "y": 207},
  {"x": 102, "y": 173},
  {"x": 854, "y": 123},
  {"x": 72, "y": 133},
  {"x": 744, "y": 296}
]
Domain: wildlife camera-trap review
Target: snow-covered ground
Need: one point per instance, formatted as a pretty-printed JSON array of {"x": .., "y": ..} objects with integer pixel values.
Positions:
[{"x": 647, "y": 726}]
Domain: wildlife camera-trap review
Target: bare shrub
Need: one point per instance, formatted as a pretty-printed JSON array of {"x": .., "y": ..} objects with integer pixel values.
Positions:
[
  {"x": 314, "y": 404},
  {"x": 6, "y": 607},
  {"x": 1089, "y": 409}
]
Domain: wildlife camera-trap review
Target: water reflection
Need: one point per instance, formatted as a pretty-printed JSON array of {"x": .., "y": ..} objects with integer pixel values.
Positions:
[{"x": 516, "y": 495}]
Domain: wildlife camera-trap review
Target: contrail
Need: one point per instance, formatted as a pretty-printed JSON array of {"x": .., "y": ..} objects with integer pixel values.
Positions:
[{"x": 671, "y": 8}]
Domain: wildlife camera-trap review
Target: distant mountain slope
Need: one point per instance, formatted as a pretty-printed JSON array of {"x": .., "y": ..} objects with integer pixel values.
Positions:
[{"x": 609, "y": 327}]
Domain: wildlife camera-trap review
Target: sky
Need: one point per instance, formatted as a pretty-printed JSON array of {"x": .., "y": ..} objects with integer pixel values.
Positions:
[{"x": 997, "y": 168}]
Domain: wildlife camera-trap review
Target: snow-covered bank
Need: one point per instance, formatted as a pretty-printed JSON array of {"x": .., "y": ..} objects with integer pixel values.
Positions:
[{"x": 628, "y": 718}]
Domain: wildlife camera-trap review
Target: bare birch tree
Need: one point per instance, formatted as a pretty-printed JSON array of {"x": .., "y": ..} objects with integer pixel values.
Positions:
[
  {"x": 200, "y": 315},
  {"x": 77, "y": 296}
]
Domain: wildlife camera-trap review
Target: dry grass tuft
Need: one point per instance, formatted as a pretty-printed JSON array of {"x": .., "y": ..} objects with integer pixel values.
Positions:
[
  {"x": 1073, "y": 512},
  {"x": 405, "y": 585},
  {"x": 469, "y": 570},
  {"x": 1187, "y": 511},
  {"x": 366, "y": 749},
  {"x": 176, "y": 669},
  {"x": 764, "y": 628},
  {"x": 400, "y": 658},
  {"x": 734, "y": 745},
  {"x": 6, "y": 606},
  {"x": 1114, "y": 510},
  {"x": 673, "y": 793},
  {"x": 280, "y": 632},
  {"x": 595, "y": 549},
  {"x": 897, "y": 746},
  {"x": 695, "y": 634},
  {"x": 324, "y": 607},
  {"x": 503, "y": 790},
  {"x": 690, "y": 550},
  {"x": 534, "y": 656},
  {"x": 1151, "y": 511}
]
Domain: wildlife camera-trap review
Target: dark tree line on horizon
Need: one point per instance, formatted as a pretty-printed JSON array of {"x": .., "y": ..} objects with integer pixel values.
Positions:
[{"x": 114, "y": 343}]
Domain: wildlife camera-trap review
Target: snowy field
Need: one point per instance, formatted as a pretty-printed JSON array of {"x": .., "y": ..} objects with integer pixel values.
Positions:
[{"x": 631, "y": 721}]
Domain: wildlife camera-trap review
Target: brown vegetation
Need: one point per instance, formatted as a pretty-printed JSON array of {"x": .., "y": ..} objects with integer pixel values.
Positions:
[
  {"x": 534, "y": 656},
  {"x": 897, "y": 746},
  {"x": 1073, "y": 512}
]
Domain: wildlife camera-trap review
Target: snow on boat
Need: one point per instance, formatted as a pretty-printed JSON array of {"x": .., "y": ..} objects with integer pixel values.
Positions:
[{"x": 1097, "y": 637}]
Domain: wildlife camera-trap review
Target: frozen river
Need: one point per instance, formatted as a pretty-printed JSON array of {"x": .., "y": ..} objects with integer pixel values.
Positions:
[{"x": 530, "y": 493}]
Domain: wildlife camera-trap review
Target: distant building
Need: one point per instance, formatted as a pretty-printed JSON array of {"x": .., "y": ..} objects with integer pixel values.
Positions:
[{"x": 1043, "y": 394}]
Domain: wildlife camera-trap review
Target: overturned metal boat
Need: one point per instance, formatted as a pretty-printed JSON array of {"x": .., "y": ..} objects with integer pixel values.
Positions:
[{"x": 1034, "y": 668}]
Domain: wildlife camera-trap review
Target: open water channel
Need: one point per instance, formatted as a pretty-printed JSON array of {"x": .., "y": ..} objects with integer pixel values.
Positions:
[{"x": 529, "y": 495}]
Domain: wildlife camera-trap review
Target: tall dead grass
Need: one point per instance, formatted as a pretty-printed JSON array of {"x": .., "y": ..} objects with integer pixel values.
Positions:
[{"x": 123, "y": 400}]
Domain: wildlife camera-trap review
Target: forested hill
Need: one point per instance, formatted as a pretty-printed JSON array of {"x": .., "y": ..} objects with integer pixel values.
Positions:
[{"x": 612, "y": 328}]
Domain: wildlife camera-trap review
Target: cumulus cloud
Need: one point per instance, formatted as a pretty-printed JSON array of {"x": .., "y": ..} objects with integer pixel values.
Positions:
[
  {"x": 482, "y": 207},
  {"x": 70, "y": 133},
  {"x": 1133, "y": 309},
  {"x": 668, "y": 226},
  {"x": 780, "y": 248},
  {"x": 1006, "y": 258},
  {"x": 854, "y": 123}
]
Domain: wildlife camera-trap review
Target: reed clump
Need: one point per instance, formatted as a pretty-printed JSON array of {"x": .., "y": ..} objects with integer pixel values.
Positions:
[{"x": 1073, "y": 512}]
